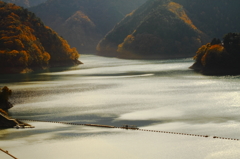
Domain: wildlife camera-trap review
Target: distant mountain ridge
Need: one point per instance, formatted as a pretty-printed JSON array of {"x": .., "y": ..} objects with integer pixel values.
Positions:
[
  {"x": 170, "y": 28},
  {"x": 82, "y": 22},
  {"x": 214, "y": 17},
  {"x": 25, "y": 3}
]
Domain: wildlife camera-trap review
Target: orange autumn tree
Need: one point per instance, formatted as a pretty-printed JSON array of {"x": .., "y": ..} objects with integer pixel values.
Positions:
[
  {"x": 25, "y": 42},
  {"x": 213, "y": 57},
  {"x": 219, "y": 57}
]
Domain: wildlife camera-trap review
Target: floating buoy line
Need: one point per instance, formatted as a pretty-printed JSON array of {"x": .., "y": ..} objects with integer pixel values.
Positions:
[
  {"x": 129, "y": 127},
  {"x": 126, "y": 127}
]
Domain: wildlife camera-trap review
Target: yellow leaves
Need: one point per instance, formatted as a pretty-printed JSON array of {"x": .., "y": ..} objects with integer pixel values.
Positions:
[
  {"x": 23, "y": 60},
  {"x": 26, "y": 42},
  {"x": 28, "y": 34},
  {"x": 209, "y": 54},
  {"x": 24, "y": 53},
  {"x": 46, "y": 57},
  {"x": 130, "y": 14},
  {"x": 47, "y": 27},
  {"x": 13, "y": 6},
  {"x": 5, "y": 38},
  {"x": 128, "y": 40},
  {"x": 178, "y": 10},
  {"x": 216, "y": 48},
  {"x": 14, "y": 52},
  {"x": 201, "y": 51},
  {"x": 172, "y": 6},
  {"x": 24, "y": 37},
  {"x": 83, "y": 16},
  {"x": 14, "y": 15},
  {"x": 120, "y": 47},
  {"x": 74, "y": 54},
  {"x": 19, "y": 44},
  {"x": 11, "y": 27},
  {"x": 36, "y": 49},
  {"x": 80, "y": 17}
]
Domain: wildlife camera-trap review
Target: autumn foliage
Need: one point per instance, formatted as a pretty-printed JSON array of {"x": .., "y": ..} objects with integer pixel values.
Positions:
[
  {"x": 180, "y": 12},
  {"x": 156, "y": 30},
  {"x": 26, "y": 42},
  {"x": 219, "y": 57}
]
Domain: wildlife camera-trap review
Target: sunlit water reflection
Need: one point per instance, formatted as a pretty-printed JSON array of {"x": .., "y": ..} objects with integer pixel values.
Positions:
[{"x": 156, "y": 95}]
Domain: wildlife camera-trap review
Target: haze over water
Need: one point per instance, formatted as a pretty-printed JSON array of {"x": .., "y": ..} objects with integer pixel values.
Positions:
[{"x": 157, "y": 95}]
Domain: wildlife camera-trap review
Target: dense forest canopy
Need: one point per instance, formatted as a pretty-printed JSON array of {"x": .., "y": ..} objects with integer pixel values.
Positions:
[
  {"x": 170, "y": 28},
  {"x": 219, "y": 57},
  {"x": 25, "y": 42},
  {"x": 84, "y": 22},
  {"x": 158, "y": 29}
]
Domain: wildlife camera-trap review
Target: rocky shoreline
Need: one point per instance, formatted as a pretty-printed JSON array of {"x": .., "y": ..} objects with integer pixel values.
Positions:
[
  {"x": 5, "y": 105},
  {"x": 7, "y": 122},
  {"x": 214, "y": 72}
]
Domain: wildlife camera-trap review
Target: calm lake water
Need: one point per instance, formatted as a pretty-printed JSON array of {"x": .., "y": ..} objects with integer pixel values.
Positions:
[{"x": 155, "y": 95}]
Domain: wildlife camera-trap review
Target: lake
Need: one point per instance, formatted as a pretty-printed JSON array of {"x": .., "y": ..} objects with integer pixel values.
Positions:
[{"x": 161, "y": 95}]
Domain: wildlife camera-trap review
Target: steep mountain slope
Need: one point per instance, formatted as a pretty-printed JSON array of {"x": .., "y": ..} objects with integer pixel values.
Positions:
[
  {"x": 26, "y": 43},
  {"x": 158, "y": 29},
  {"x": 25, "y": 3},
  {"x": 170, "y": 28},
  {"x": 82, "y": 22},
  {"x": 215, "y": 17}
]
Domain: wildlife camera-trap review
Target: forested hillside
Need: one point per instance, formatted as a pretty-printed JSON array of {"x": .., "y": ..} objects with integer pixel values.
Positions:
[
  {"x": 26, "y": 43},
  {"x": 220, "y": 57},
  {"x": 158, "y": 29},
  {"x": 170, "y": 28},
  {"x": 82, "y": 22},
  {"x": 25, "y": 3}
]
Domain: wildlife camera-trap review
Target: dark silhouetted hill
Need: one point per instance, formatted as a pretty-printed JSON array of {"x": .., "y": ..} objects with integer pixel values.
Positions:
[
  {"x": 84, "y": 22},
  {"x": 170, "y": 28},
  {"x": 219, "y": 57},
  {"x": 158, "y": 29}
]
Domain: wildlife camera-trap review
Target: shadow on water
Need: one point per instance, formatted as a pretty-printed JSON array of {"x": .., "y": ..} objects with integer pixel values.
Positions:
[
  {"x": 39, "y": 75},
  {"x": 66, "y": 131},
  {"x": 24, "y": 133},
  {"x": 63, "y": 116}
]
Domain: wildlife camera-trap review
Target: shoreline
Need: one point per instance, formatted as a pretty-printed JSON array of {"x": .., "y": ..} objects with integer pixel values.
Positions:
[
  {"x": 22, "y": 70},
  {"x": 8, "y": 122}
]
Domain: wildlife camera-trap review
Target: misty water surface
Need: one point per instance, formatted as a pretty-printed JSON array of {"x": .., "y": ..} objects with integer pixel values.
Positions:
[{"x": 157, "y": 95}]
